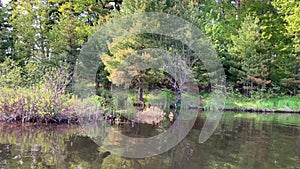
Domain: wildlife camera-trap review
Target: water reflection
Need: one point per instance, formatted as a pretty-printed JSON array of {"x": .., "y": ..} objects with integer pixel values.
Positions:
[{"x": 239, "y": 142}]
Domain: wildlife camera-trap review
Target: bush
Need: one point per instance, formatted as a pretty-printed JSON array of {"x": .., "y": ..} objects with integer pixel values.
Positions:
[
  {"x": 29, "y": 95},
  {"x": 37, "y": 104},
  {"x": 38, "y": 94},
  {"x": 10, "y": 74}
]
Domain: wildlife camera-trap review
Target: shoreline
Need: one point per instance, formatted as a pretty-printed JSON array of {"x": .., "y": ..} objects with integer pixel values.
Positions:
[
  {"x": 250, "y": 110},
  {"x": 74, "y": 119}
]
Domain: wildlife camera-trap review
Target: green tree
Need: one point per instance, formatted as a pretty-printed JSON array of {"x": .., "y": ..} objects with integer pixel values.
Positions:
[
  {"x": 6, "y": 39},
  {"x": 66, "y": 38},
  {"x": 120, "y": 53},
  {"x": 74, "y": 22},
  {"x": 249, "y": 56},
  {"x": 30, "y": 31},
  {"x": 291, "y": 14}
]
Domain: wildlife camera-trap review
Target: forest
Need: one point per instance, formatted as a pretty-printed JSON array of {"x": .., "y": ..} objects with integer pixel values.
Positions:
[{"x": 257, "y": 41}]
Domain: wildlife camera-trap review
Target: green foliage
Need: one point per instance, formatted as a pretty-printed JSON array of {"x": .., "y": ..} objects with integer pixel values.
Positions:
[
  {"x": 66, "y": 38},
  {"x": 6, "y": 39},
  {"x": 29, "y": 95},
  {"x": 162, "y": 98},
  {"x": 272, "y": 103},
  {"x": 29, "y": 22},
  {"x": 290, "y": 11},
  {"x": 33, "y": 104},
  {"x": 10, "y": 74},
  {"x": 32, "y": 74},
  {"x": 249, "y": 57},
  {"x": 92, "y": 105}
]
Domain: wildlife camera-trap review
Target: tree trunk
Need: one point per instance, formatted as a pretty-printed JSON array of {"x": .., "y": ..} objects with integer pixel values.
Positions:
[
  {"x": 238, "y": 4},
  {"x": 140, "y": 91},
  {"x": 178, "y": 100},
  {"x": 299, "y": 72}
]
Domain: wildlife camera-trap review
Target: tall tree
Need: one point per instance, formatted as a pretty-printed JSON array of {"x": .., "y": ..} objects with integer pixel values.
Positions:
[
  {"x": 118, "y": 54},
  {"x": 249, "y": 56},
  {"x": 290, "y": 11},
  {"x": 66, "y": 38},
  {"x": 30, "y": 30},
  {"x": 6, "y": 39}
]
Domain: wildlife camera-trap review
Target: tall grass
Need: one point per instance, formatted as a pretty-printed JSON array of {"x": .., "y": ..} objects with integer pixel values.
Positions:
[{"x": 272, "y": 103}]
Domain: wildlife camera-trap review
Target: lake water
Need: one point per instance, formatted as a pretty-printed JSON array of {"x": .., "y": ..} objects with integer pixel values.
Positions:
[{"x": 245, "y": 141}]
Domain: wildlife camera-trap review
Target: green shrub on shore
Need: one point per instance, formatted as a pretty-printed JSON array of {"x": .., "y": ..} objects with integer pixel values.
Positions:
[
  {"x": 33, "y": 104},
  {"x": 41, "y": 104},
  {"x": 33, "y": 93}
]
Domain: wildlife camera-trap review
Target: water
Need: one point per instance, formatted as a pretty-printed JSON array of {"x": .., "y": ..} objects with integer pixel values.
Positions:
[{"x": 242, "y": 141}]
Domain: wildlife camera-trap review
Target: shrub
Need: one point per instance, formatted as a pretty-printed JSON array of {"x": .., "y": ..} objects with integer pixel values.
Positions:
[
  {"x": 37, "y": 104},
  {"x": 36, "y": 93},
  {"x": 29, "y": 95},
  {"x": 10, "y": 74}
]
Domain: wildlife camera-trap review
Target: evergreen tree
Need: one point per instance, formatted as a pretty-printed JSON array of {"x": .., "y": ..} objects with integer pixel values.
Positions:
[
  {"x": 249, "y": 56},
  {"x": 119, "y": 54}
]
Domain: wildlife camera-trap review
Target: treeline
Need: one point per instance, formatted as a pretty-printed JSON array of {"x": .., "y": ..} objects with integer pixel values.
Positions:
[{"x": 257, "y": 41}]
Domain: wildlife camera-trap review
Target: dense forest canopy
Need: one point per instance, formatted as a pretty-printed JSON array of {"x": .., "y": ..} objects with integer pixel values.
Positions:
[{"x": 257, "y": 41}]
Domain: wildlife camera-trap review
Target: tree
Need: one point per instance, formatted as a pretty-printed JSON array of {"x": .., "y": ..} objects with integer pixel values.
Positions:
[
  {"x": 249, "y": 56},
  {"x": 6, "y": 39},
  {"x": 118, "y": 55},
  {"x": 126, "y": 67},
  {"x": 291, "y": 14},
  {"x": 30, "y": 31},
  {"x": 66, "y": 38}
]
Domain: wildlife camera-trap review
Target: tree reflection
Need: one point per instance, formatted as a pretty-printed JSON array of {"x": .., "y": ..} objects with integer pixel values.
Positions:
[{"x": 238, "y": 143}]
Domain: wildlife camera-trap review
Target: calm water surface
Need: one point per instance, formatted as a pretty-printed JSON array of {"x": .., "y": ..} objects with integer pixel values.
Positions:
[{"x": 242, "y": 141}]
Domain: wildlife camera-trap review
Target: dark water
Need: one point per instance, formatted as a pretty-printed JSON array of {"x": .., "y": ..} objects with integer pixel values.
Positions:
[{"x": 242, "y": 141}]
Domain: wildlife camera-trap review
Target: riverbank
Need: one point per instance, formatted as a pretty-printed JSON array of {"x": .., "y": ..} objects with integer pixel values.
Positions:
[
  {"x": 276, "y": 104},
  {"x": 42, "y": 105},
  {"x": 240, "y": 103}
]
